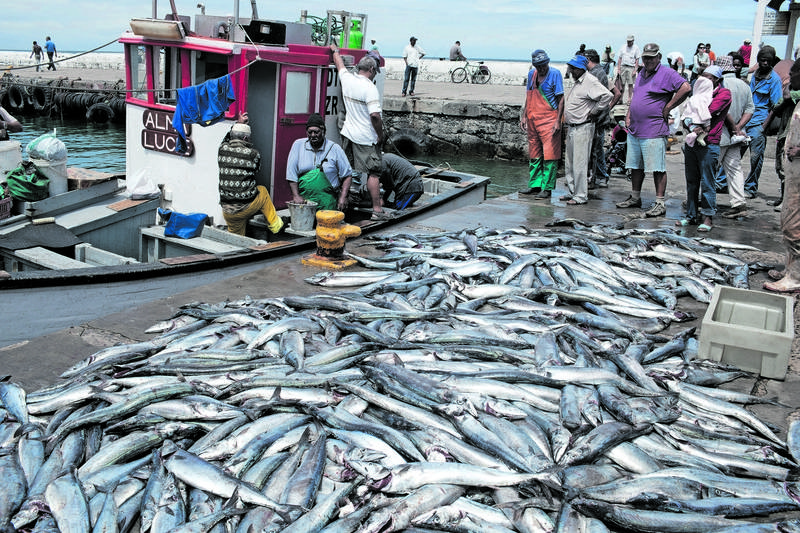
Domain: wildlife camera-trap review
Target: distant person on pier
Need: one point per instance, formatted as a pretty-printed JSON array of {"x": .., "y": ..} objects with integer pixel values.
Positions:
[
  {"x": 455, "y": 52},
  {"x": 37, "y": 52},
  {"x": 745, "y": 51},
  {"x": 788, "y": 280},
  {"x": 659, "y": 89},
  {"x": 541, "y": 119},
  {"x": 411, "y": 56},
  {"x": 607, "y": 59},
  {"x": 586, "y": 102},
  {"x": 8, "y": 124},
  {"x": 50, "y": 46},
  {"x": 627, "y": 65},
  {"x": 362, "y": 131},
  {"x": 239, "y": 195},
  {"x": 317, "y": 169}
]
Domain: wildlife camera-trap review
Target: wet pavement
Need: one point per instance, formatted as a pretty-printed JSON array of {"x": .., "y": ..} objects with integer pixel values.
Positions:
[{"x": 38, "y": 361}]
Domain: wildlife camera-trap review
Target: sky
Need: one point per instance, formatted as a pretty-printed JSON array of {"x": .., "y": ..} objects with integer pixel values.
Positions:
[{"x": 487, "y": 29}]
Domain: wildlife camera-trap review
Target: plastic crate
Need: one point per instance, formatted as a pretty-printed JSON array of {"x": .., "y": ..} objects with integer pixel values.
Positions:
[
  {"x": 752, "y": 330},
  {"x": 5, "y": 205}
]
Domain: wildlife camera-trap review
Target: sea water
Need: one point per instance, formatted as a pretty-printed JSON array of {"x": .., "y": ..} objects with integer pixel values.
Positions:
[{"x": 102, "y": 148}]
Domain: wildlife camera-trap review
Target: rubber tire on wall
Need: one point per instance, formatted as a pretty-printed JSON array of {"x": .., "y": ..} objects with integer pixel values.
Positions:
[
  {"x": 38, "y": 98},
  {"x": 100, "y": 113},
  {"x": 16, "y": 98},
  {"x": 409, "y": 142}
]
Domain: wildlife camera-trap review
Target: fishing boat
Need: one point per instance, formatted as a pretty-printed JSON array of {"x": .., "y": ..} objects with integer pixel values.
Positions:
[{"x": 280, "y": 72}]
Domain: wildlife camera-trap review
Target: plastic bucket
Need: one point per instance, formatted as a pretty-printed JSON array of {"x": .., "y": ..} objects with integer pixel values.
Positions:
[
  {"x": 56, "y": 171},
  {"x": 303, "y": 215},
  {"x": 10, "y": 157}
]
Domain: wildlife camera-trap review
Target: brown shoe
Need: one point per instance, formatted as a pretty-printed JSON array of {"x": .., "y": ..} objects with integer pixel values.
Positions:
[{"x": 630, "y": 202}]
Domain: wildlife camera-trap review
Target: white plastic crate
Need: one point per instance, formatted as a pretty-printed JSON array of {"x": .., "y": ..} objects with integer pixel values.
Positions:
[{"x": 752, "y": 330}]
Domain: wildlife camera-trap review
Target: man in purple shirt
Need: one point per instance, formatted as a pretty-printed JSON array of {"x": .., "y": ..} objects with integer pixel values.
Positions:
[{"x": 657, "y": 91}]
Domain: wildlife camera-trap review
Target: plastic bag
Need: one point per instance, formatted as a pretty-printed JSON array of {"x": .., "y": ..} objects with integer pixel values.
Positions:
[
  {"x": 183, "y": 225},
  {"x": 141, "y": 187},
  {"x": 47, "y": 147},
  {"x": 27, "y": 184}
]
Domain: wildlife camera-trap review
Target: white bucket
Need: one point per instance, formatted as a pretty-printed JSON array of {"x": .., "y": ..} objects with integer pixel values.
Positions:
[
  {"x": 56, "y": 171},
  {"x": 303, "y": 215},
  {"x": 10, "y": 157}
]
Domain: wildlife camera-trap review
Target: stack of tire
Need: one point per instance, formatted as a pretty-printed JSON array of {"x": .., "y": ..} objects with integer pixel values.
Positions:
[{"x": 41, "y": 99}]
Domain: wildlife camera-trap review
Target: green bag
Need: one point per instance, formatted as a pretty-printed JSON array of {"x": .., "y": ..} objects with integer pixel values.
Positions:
[{"x": 27, "y": 184}]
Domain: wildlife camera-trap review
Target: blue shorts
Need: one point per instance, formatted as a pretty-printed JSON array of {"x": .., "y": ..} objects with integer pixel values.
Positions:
[{"x": 649, "y": 155}]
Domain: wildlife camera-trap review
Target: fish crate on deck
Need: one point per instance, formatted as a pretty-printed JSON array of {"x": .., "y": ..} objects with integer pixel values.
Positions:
[{"x": 752, "y": 330}]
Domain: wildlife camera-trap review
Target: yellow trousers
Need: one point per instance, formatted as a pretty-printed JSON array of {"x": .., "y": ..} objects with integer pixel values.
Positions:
[{"x": 237, "y": 222}]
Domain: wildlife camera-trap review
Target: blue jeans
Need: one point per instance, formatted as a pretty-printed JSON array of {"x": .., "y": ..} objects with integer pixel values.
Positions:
[
  {"x": 758, "y": 143},
  {"x": 700, "y": 166},
  {"x": 411, "y": 73}
]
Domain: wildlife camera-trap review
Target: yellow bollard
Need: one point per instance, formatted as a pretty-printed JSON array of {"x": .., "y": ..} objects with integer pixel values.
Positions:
[{"x": 331, "y": 236}]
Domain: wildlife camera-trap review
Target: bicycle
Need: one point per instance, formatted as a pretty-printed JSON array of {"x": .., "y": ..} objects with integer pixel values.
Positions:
[{"x": 479, "y": 73}]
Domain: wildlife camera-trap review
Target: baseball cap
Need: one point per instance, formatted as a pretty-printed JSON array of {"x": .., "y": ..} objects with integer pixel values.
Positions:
[
  {"x": 650, "y": 50},
  {"x": 630, "y": 37},
  {"x": 578, "y": 62},
  {"x": 747, "y": 41},
  {"x": 412, "y": 38},
  {"x": 714, "y": 70}
]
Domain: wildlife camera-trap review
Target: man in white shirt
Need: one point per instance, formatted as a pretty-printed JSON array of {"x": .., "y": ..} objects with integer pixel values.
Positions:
[
  {"x": 362, "y": 132},
  {"x": 411, "y": 55},
  {"x": 628, "y": 66}
]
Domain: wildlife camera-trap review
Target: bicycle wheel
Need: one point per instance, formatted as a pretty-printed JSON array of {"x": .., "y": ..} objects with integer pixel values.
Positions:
[
  {"x": 459, "y": 75},
  {"x": 482, "y": 76}
]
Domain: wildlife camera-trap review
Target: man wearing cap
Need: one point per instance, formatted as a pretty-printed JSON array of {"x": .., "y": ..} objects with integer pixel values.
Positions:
[
  {"x": 362, "y": 131},
  {"x": 239, "y": 196},
  {"x": 627, "y": 65},
  {"x": 700, "y": 159},
  {"x": 658, "y": 91},
  {"x": 766, "y": 87},
  {"x": 730, "y": 155},
  {"x": 540, "y": 118},
  {"x": 411, "y": 56},
  {"x": 587, "y": 101},
  {"x": 317, "y": 169}
]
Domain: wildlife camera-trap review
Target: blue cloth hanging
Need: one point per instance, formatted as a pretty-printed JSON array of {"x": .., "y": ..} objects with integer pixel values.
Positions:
[{"x": 202, "y": 104}]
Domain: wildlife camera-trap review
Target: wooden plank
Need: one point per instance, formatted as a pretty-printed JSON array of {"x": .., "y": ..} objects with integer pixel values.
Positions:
[
  {"x": 48, "y": 259},
  {"x": 197, "y": 258},
  {"x": 125, "y": 204},
  {"x": 271, "y": 245}
]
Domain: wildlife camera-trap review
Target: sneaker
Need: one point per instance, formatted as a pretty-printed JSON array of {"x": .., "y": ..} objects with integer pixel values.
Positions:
[
  {"x": 405, "y": 94},
  {"x": 411, "y": 93},
  {"x": 630, "y": 202},
  {"x": 543, "y": 195},
  {"x": 656, "y": 210},
  {"x": 602, "y": 184},
  {"x": 735, "y": 212},
  {"x": 775, "y": 203}
]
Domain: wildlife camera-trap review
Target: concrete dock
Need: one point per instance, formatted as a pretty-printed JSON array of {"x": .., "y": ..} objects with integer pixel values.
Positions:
[{"x": 38, "y": 361}]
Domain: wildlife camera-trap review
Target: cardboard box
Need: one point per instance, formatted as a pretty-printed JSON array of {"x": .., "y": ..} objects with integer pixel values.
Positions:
[{"x": 752, "y": 330}]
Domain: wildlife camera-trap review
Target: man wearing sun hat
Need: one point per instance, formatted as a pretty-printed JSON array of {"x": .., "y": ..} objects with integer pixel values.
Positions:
[
  {"x": 659, "y": 89},
  {"x": 540, "y": 118},
  {"x": 627, "y": 65},
  {"x": 587, "y": 100}
]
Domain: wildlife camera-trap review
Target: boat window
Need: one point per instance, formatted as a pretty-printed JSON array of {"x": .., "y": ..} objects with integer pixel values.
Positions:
[
  {"x": 169, "y": 75},
  {"x": 138, "y": 72},
  {"x": 298, "y": 92},
  {"x": 209, "y": 66}
]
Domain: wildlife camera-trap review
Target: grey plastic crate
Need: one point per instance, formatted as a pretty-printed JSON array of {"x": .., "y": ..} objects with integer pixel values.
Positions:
[{"x": 752, "y": 330}]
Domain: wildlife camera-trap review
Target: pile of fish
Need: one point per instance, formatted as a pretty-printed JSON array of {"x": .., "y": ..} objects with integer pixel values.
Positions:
[{"x": 481, "y": 381}]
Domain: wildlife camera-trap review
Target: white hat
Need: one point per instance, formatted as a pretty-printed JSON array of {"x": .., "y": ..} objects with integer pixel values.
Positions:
[{"x": 241, "y": 128}]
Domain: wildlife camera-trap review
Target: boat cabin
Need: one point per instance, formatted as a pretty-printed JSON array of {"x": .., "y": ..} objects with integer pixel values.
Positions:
[{"x": 280, "y": 72}]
